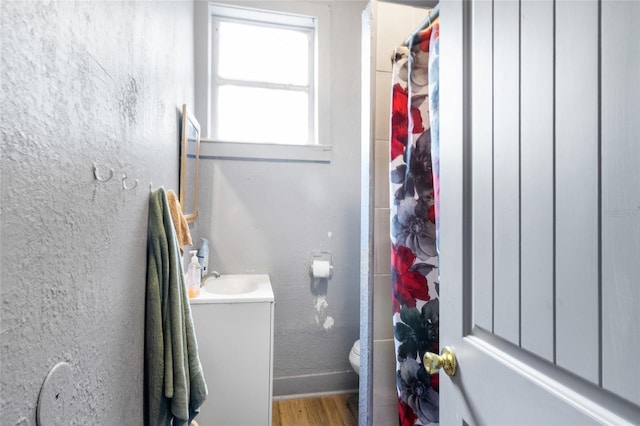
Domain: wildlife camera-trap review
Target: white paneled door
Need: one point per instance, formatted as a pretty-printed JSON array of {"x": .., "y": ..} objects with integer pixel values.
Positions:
[{"x": 540, "y": 211}]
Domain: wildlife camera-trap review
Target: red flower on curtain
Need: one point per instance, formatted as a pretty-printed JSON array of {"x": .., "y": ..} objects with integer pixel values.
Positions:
[
  {"x": 432, "y": 213},
  {"x": 400, "y": 121},
  {"x": 405, "y": 414},
  {"x": 399, "y": 134},
  {"x": 399, "y": 102},
  {"x": 435, "y": 382},
  {"x": 408, "y": 285},
  {"x": 424, "y": 38},
  {"x": 417, "y": 121}
]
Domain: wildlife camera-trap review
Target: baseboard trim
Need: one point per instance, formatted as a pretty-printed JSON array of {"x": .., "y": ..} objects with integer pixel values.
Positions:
[
  {"x": 314, "y": 385},
  {"x": 315, "y": 395}
]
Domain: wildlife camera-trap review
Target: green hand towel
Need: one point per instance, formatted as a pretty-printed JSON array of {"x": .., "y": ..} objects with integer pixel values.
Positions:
[{"x": 174, "y": 383}]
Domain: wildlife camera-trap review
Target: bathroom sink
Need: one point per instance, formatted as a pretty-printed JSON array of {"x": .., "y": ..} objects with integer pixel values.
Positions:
[
  {"x": 231, "y": 284},
  {"x": 241, "y": 288}
]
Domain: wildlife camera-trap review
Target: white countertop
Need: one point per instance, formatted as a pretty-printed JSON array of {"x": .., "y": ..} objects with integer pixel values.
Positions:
[{"x": 241, "y": 288}]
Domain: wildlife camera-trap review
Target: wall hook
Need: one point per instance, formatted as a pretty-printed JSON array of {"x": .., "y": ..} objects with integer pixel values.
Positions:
[
  {"x": 124, "y": 183},
  {"x": 99, "y": 178}
]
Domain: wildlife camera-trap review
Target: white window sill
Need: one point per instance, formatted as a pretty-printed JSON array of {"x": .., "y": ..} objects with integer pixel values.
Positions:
[{"x": 213, "y": 149}]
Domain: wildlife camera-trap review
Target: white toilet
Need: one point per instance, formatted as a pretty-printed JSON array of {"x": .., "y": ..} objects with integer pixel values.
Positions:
[{"x": 354, "y": 357}]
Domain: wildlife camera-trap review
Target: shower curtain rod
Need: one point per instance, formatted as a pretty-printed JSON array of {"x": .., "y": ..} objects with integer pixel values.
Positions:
[{"x": 433, "y": 15}]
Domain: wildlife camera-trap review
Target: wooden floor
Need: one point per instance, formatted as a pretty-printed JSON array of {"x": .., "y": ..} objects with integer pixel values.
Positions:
[{"x": 328, "y": 410}]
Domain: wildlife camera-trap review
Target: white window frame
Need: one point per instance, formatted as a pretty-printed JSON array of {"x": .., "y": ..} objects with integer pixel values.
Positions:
[{"x": 274, "y": 19}]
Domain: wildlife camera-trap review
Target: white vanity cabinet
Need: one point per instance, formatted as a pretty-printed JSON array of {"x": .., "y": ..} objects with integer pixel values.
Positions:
[{"x": 233, "y": 320}]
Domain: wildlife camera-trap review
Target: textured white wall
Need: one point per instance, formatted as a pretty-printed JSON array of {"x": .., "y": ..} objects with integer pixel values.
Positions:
[
  {"x": 268, "y": 216},
  {"x": 83, "y": 82}
]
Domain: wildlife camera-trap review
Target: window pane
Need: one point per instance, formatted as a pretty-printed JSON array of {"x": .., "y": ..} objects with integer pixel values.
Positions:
[
  {"x": 249, "y": 114},
  {"x": 257, "y": 53}
]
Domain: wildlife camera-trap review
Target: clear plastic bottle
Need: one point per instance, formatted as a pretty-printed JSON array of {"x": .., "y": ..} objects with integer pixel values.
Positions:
[
  {"x": 203, "y": 256},
  {"x": 193, "y": 276}
]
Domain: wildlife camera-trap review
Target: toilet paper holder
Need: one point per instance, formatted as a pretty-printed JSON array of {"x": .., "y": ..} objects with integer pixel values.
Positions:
[{"x": 321, "y": 264}]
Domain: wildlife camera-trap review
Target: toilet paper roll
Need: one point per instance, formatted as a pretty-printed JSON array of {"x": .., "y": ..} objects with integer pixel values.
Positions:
[{"x": 321, "y": 269}]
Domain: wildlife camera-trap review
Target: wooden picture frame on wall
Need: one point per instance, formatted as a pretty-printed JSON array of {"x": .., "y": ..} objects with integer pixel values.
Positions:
[{"x": 189, "y": 164}]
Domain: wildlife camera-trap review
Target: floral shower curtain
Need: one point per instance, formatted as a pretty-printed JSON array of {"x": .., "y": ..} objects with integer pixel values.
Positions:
[{"x": 414, "y": 174}]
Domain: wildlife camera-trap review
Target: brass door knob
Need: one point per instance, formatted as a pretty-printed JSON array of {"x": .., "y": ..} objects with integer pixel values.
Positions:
[{"x": 434, "y": 362}]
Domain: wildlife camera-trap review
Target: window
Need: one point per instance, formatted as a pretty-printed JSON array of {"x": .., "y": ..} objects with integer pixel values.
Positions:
[{"x": 263, "y": 76}]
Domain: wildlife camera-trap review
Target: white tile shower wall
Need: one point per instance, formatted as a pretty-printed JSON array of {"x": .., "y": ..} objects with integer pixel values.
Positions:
[
  {"x": 385, "y": 397},
  {"x": 382, "y": 309},
  {"x": 382, "y": 242},
  {"x": 383, "y": 101},
  {"x": 381, "y": 174},
  {"x": 395, "y": 23}
]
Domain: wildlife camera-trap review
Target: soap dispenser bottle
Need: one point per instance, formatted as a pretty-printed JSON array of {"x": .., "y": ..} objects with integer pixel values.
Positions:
[
  {"x": 193, "y": 276},
  {"x": 203, "y": 255}
]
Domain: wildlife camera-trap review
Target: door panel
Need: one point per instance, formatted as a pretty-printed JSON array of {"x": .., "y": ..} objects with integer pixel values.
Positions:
[
  {"x": 482, "y": 168},
  {"x": 506, "y": 188},
  {"x": 507, "y": 386},
  {"x": 620, "y": 197},
  {"x": 576, "y": 214},
  {"x": 536, "y": 165},
  {"x": 548, "y": 334}
]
